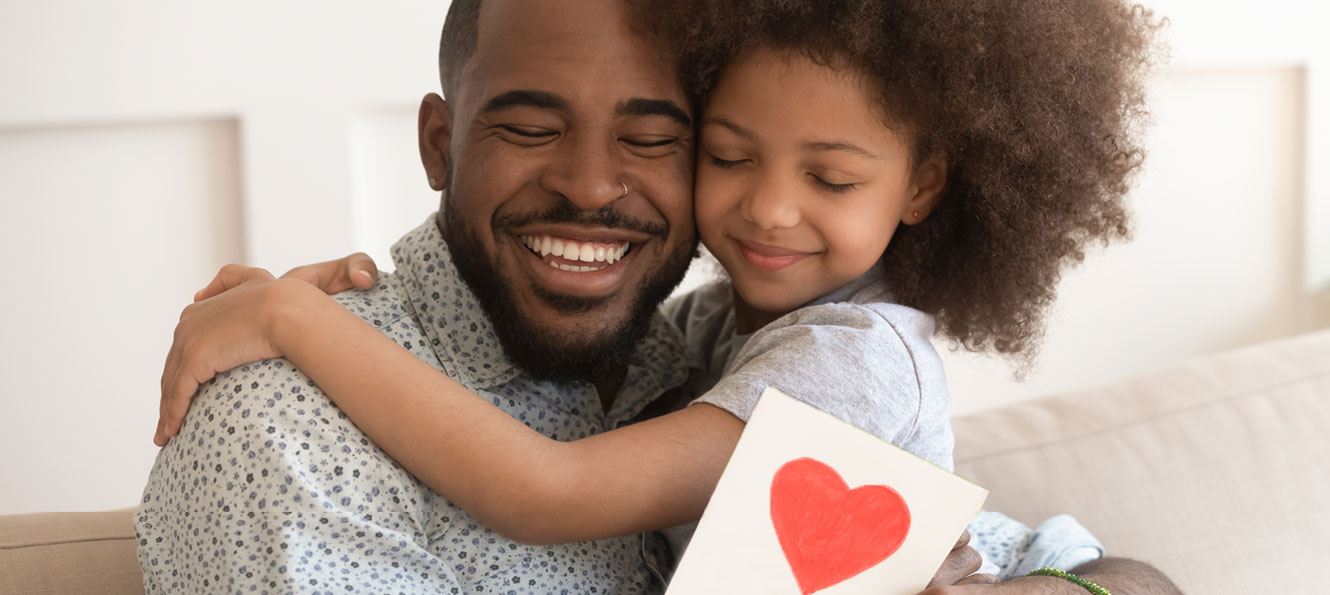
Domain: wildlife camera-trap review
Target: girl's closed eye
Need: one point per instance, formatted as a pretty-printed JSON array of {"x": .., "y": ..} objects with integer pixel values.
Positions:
[
  {"x": 726, "y": 163},
  {"x": 832, "y": 183},
  {"x": 725, "y": 157}
]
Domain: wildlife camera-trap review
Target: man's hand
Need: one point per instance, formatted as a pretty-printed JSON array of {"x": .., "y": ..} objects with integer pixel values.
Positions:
[
  {"x": 1118, "y": 575},
  {"x": 961, "y": 563},
  {"x": 991, "y": 585}
]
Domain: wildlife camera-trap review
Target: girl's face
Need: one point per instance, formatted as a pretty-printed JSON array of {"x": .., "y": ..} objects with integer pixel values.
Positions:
[{"x": 799, "y": 183}]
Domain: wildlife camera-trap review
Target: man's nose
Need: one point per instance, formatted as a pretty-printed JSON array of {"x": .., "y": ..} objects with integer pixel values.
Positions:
[
  {"x": 588, "y": 172},
  {"x": 771, "y": 204}
]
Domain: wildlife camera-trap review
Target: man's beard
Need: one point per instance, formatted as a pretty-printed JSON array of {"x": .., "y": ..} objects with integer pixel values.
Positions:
[{"x": 597, "y": 355}]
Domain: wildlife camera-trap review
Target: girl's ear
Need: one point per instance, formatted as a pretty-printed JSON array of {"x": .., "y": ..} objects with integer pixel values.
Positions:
[{"x": 930, "y": 178}]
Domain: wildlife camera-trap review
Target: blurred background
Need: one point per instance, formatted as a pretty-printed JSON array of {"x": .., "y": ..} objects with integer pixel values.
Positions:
[{"x": 144, "y": 143}]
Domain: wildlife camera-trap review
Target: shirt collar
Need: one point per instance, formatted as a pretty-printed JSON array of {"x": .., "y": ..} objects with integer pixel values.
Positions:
[{"x": 463, "y": 338}]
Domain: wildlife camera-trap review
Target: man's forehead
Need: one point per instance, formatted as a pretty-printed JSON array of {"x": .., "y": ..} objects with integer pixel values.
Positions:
[{"x": 548, "y": 44}]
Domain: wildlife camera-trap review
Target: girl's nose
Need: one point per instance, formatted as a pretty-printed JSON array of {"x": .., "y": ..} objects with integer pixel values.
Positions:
[{"x": 771, "y": 204}]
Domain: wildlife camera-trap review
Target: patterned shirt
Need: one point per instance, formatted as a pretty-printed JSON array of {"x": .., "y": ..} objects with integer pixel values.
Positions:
[{"x": 270, "y": 488}]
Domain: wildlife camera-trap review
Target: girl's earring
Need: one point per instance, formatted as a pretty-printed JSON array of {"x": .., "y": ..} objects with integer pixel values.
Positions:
[
  {"x": 916, "y": 216},
  {"x": 433, "y": 184}
]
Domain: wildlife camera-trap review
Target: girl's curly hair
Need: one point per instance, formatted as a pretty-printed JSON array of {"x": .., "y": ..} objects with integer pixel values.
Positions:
[{"x": 1037, "y": 105}]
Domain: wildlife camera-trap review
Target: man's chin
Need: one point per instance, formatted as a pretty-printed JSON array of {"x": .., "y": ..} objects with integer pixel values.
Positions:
[
  {"x": 585, "y": 347},
  {"x": 551, "y": 334},
  {"x": 569, "y": 313}
]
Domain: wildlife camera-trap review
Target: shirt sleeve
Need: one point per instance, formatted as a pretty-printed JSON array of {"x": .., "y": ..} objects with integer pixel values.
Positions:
[{"x": 872, "y": 367}]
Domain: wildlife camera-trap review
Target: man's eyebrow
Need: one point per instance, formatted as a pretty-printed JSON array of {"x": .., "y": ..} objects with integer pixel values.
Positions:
[
  {"x": 640, "y": 106},
  {"x": 522, "y": 97},
  {"x": 839, "y": 146}
]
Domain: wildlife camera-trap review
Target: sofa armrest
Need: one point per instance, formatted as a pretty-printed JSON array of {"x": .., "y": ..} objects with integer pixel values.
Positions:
[{"x": 69, "y": 552}]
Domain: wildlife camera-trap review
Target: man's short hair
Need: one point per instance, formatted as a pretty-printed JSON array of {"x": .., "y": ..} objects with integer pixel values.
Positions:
[{"x": 457, "y": 43}]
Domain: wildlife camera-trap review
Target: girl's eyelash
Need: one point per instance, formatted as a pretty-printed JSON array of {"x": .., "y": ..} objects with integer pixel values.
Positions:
[
  {"x": 724, "y": 163},
  {"x": 828, "y": 186},
  {"x": 837, "y": 188}
]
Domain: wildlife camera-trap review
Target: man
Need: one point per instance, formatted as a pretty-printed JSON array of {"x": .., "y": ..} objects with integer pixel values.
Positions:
[{"x": 269, "y": 487}]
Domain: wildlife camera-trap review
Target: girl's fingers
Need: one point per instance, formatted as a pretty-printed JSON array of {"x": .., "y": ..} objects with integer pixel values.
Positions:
[
  {"x": 175, "y": 403},
  {"x": 230, "y": 276},
  {"x": 362, "y": 270},
  {"x": 356, "y": 271},
  {"x": 168, "y": 379},
  {"x": 178, "y": 405}
]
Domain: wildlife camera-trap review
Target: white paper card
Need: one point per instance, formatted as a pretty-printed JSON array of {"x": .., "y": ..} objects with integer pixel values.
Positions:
[{"x": 811, "y": 504}]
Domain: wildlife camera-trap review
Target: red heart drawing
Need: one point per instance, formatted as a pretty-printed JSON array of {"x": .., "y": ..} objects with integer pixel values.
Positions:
[{"x": 829, "y": 532}]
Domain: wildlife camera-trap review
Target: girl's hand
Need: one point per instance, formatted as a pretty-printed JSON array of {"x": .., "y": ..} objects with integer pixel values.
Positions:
[
  {"x": 356, "y": 271},
  {"x": 231, "y": 327}
]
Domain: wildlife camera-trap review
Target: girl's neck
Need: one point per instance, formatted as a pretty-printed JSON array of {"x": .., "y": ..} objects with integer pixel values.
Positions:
[{"x": 747, "y": 318}]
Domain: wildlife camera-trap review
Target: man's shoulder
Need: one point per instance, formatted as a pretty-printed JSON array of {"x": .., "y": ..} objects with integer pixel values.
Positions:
[
  {"x": 384, "y": 306},
  {"x": 700, "y": 314}
]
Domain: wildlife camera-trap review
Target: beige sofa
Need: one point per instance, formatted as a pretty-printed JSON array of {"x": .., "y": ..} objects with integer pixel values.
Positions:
[{"x": 1215, "y": 470}]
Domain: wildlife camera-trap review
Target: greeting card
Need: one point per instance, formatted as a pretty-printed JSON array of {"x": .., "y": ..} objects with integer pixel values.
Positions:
[{"x": 811, "y": 504}]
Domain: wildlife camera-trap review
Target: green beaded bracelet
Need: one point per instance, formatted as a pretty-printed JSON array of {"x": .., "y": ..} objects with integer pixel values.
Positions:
[{"x": 1089, "y": 586}]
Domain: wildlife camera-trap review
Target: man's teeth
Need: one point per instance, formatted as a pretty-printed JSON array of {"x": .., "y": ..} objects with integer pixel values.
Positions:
[{"x": 576, "y": 251}]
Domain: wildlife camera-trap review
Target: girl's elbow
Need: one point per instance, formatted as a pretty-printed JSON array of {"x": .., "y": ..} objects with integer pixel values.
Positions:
[
  {"x": 534, "y": 514},
  {"x": 530, "y": 525}
]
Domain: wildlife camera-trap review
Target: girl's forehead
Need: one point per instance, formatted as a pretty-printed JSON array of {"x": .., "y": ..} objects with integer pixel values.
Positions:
[{"x": 787, "y": 93}]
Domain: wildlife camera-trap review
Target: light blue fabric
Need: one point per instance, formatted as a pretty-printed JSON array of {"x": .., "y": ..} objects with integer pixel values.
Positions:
[{"x": 1011, "y": 548}]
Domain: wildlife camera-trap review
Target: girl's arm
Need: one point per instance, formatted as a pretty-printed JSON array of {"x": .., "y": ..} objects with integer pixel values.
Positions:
[{"x": 528, "y": 487}]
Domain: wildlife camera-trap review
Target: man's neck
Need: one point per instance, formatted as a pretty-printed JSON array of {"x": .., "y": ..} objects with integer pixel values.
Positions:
[{"x": 609, "y": 389}]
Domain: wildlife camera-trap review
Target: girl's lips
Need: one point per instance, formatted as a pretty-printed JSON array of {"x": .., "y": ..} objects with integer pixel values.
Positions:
[{"x": 771, "y": 258}]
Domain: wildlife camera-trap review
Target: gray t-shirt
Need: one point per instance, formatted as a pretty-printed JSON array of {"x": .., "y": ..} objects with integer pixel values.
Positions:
[{"x": 851, "y": 353}]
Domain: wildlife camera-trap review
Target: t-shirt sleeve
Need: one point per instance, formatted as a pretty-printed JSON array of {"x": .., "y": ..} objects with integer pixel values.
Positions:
[{"x": 870, "y": 365}]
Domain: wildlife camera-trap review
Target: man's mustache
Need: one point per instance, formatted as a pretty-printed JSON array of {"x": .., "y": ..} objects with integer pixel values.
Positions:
[{"x": 566, "y": 212}]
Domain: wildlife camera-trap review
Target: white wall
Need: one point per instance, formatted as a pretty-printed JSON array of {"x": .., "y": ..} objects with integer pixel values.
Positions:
[
  {"x": 1216, "y": 260},
  {"x": 144, "y": 143},
  {"x": 93, "y": 291},
  {"x": 1232, "y": 236}
]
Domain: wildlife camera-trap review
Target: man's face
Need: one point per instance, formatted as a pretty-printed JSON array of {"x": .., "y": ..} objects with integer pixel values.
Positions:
[{"x": 568, "y": 205}]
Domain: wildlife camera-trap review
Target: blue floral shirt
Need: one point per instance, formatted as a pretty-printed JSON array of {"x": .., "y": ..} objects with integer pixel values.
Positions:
[{"x": 270, "y": 488}]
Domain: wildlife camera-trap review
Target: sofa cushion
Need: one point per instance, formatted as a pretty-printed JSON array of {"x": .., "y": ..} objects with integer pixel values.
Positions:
[
  {"x": 69, "y": 552},
  {"x": 1213, "y": 470}
]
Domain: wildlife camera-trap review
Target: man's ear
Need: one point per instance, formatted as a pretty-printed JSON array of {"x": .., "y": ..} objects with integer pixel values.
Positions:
[
  {"x": 435, "y": 127},
  {"x": 930, "y": 178}
]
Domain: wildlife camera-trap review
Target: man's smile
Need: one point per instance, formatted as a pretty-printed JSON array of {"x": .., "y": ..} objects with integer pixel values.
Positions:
[
  {"x": 571, "y": 255},
  {"x": 575, "y": 260}
]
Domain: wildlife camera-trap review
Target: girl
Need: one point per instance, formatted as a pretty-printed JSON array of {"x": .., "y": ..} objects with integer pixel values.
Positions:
[{"x": 864, "y": 168}]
